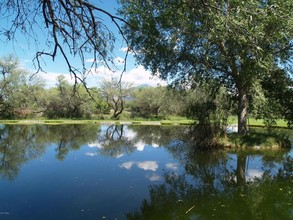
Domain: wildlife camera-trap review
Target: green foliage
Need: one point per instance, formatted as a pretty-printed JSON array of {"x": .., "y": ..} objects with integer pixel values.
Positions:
[
  {"x": 208, "y": 108},
  {"x": 20, "y": 94},
  {"x": 115, "y": 92},
  {"x": 66, "y": 101},
  {"x": 157, "y": 102},
  {"x": 273, "y": 98},
  {"x": 147, "y": 102},
  {"x": 235, "y": 42}
]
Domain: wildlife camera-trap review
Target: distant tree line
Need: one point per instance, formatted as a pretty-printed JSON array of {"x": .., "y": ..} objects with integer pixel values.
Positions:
[{"x": 25, "y": 96}]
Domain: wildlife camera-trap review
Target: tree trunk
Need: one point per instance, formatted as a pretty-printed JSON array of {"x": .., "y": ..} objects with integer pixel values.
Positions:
[
  {"x": 240, "y": 170},
  {"x": 242, "y": 112}
]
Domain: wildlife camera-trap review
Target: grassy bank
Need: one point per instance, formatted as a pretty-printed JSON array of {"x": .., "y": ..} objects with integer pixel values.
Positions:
[
  {"x": 70, "y": 121},
  {"x": 259, "y": 138},
  {"x": 258, "y": 122},
  {"x": 169, "y": 120}
]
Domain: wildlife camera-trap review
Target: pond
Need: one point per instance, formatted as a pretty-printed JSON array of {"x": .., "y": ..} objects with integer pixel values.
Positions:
[{"x": 136, "y": 172}]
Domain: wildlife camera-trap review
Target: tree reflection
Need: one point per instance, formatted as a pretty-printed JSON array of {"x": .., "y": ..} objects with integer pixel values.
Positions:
[
  {"x": 71, "y": 137},
  {"x": 158, "y": 135},
  {"x": 115, "y": 142},
  {"x": 215, "y": 185},
  {"x": 21, "y": 143}
]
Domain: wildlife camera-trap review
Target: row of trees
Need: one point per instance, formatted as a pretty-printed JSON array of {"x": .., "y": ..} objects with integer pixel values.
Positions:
[{"x": 23, "y": 96}]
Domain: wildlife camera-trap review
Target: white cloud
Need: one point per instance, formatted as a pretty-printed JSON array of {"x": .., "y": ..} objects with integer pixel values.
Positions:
[
  {"x": 154, "y": 177},
  {"x": 154, "y": 145},
  {"x": 253, "y": 173},
  {"x": 137, "y": 76},
  {"x": 90, "y": 154},
  {"x": 119, "y": 155},
  {"x": 139, "y": 146},
  {"x": 119, "y": 61},
  {"x": 148, "y": 165},
  {"x": 130, "y": 134},
  {"x": 124, "y": 49},
  {"x": 95, "y": 145},
  {"x": 145, "y": 165},
  {"x": 127, "y": 165},
  {"x": 172, "y": 166},
  {"x": 140, "y": 76},
  {"x": 51, "y": 78},
  {"x": 90, "y": 60}
]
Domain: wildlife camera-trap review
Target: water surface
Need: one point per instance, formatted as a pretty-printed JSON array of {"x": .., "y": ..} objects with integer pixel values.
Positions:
[{"x": 136, "y": 172}]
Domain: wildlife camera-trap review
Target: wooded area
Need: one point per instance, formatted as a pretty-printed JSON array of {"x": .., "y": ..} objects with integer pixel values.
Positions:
[
  {"x": 23, "y": 96},
  {"x": 220, "y": 58}
]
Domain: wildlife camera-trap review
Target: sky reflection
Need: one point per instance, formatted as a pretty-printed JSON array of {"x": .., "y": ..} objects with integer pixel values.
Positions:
[{"x": 91, "y": 172}]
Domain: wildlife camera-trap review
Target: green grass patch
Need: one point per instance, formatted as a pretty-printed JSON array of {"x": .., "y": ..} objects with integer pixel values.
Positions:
[
  {"x": 259, "y": 138},
  {"x": 9, "y": 121},
  {"x": 257, "y": 122},
  {"x": 167, "y": 123}
]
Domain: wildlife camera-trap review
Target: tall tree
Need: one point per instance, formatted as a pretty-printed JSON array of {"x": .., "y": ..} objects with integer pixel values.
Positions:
[{"x": 235, "y": 42}]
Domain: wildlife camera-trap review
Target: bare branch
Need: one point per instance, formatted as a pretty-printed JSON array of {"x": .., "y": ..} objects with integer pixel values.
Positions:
[{"x": 74, "y": 29}]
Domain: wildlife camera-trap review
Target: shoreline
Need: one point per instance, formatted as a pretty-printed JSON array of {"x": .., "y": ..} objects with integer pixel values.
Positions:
[{"x": 122, "y": 122}]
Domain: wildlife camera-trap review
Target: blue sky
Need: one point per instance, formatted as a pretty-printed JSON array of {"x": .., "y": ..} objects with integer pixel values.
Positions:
[{"x": 25, "y": 50}]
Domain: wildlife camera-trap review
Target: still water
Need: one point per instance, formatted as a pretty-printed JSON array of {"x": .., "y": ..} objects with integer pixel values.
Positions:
[{"x": 136, "y": 172}]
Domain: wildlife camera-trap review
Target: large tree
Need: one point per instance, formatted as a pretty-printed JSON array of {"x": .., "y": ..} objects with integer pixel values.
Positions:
[{"x": 233, "y": 41}]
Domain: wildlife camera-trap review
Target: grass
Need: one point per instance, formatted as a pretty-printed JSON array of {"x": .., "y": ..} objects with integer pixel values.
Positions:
[
  {"x": 257, "y": 122},
  {"x": 79, "y": 121},
  {"x": 259, "y": 138},
  {"x": 125, "y": 119}
]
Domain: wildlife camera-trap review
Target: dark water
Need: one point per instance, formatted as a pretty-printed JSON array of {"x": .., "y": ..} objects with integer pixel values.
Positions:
[{"x": 136, "y": 172}]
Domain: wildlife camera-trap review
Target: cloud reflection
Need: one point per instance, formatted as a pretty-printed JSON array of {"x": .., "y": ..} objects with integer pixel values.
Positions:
[
  {"x": 154, "y": 177},
  {"x": 172, "y": 166},
  {"x": 145, "y": 165},
  {"x": 253, "y": 173},
  {"x": 127, "y": 165},
  {"x": 90, "y": 154},
  {"x": 139, "y": 146},
  {"x": 148, "y": 165},
  {"x": 154, "y": 145}
]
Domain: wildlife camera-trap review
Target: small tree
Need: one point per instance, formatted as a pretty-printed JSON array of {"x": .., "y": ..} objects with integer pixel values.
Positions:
[
  {"x": 148, "y": 101},
  {"x": 115, "y": 92}
]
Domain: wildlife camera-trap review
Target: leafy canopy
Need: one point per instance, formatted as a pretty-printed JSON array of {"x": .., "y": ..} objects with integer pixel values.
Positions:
[{"x": 235, "y": 42}]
